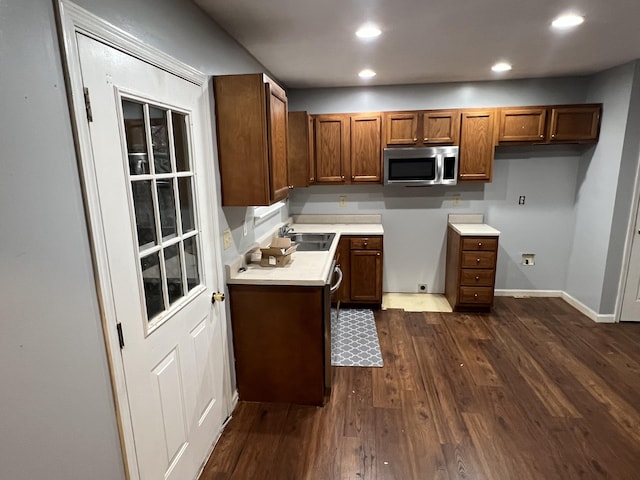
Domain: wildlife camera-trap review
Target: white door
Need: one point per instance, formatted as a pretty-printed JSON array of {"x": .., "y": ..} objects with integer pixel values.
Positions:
[
  {"x": 148, "y": 148},
  {"x": 631, "y": 296}
]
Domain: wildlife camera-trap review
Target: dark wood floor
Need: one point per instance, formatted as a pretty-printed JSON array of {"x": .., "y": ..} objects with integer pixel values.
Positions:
[{"x": 533, "y": 390}]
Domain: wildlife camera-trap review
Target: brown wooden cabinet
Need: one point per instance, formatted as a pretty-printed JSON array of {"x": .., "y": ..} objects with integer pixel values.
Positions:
[
  {"x": 477, "y": 145},
  {"x": 251, "y": 125},
  {"x": 280, "y": 336},
  {"x": 522, "y": 124},
  {"x": 301, "y": 160},
  {"x": 471, "y": 271},
  {"x": 332, "y": 148},
  {"x": 361, "y": 261},
  {"x": 575, "y": 124},
  {"x": 423, "y": 127},
  {"x": 366, "y": 148}
]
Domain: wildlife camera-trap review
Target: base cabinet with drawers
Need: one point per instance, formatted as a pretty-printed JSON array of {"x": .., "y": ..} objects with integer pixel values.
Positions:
[{"x": 471, "y": 271}]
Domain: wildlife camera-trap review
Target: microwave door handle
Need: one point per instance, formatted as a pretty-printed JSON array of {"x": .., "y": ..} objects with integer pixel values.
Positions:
[{"x": 439, "y": 168}]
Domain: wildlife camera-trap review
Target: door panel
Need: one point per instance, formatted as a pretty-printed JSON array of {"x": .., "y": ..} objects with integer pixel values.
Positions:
[{"x": 149, "y": 159}]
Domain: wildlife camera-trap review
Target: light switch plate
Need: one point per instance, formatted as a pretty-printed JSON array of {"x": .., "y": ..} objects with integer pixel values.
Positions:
[{"x": 227, "y": 240}]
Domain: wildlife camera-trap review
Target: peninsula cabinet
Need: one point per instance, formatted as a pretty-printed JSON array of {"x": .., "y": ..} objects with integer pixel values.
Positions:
[
  {"x": 251, "y": 126},
  {"x": 421, "y": 128},
  {"x": 348, "y": 148},
  {"x": 301, "y": 160},
  {"x": 477, "y": 145}
]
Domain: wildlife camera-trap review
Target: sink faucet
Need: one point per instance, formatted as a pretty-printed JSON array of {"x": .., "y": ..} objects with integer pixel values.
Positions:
[{"x": 284, "y": 230}]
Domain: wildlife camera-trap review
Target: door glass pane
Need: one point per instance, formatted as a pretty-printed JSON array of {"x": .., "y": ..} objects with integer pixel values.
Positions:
[
  {"x": 191, "y": 260},
  {"x": 186, "y": 204},
  {"x": 145, "y": 219},
  {"x": 136, "y": 137},
  {"x": 173, "y": 266},
  {"x": 160, "y": 140},
  {"x": 181, "y": 141},
  {"x": 152, "y": 279},
  {"x": 167, "y": 206}
]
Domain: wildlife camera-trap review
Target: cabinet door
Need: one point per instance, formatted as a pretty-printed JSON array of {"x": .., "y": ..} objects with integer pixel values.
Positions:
[
  {"x": 298, "y": 158},
  {"x": 366, "y": 276},
  {"x": 401, "y": 128},
  {"x": 522, "y": 124},
  {"x": 476, "y": 146},
  {"x": 366, "y": 154},
  {"x": 277, "y": 132},
  {"x": 575, "y": 124},
  {"x": 332, "y": 148},
  {"x": 441, "y": 127},
  {"x": 312, "y": 153}
]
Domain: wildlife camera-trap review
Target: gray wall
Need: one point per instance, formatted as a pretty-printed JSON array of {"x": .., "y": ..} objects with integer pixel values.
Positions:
[
  {"x": 57, "y": 411},
  {"x": 415, "y": 219},
  {"x": 596, "y": 194}
]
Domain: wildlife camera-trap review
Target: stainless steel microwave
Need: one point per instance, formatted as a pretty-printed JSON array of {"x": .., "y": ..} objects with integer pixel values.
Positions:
[{"x": 421, "y": 166}]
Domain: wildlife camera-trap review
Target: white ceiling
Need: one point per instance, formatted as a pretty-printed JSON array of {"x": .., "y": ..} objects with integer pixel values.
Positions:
[{"x": 313, "y": 44}]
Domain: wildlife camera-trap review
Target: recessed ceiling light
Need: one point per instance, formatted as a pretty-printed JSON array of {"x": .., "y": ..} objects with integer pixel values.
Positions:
[
  {"x": 367, "y": 73},
  {"x": 368, "y": 30},
  {"x": 567, "y": 21},
  {"x": 501, "y": 67}
]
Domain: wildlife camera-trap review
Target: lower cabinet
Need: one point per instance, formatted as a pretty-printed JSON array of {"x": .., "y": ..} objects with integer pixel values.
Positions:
[
  {"x": 281, "y": 342},
  {"x": 471, "y": 271},
  {"x": 361, "y": 260}
]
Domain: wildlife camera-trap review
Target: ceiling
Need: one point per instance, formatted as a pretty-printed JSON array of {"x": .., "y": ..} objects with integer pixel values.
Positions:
[{"x": 313, "y": 44}]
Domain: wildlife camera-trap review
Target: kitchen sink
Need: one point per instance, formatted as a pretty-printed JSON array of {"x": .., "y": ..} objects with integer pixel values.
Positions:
[{"x": 311, "y": 242}]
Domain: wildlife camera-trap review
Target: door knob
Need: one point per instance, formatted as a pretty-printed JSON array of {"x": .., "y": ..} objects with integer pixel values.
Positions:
[{"x": 217, "y": 297}]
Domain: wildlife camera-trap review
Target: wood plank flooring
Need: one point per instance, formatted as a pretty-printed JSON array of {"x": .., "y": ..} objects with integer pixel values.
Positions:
[{"x": 533, "y": 390}]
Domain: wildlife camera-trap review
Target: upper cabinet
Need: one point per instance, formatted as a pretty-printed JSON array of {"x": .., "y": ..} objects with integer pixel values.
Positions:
[
  {"x": 348, "y": 148},
  {"x": 332, "y": 148},
  {"x": 550, "y": 124},
  {"x": 477, "y": 145},
  {"x": 419, "y": 128},
  {"x": 526, "y": 124},
  {"x": 578, "y": 123},
  {"x": 251, "y": 126},
  {"x": 301, "y": 160},
  {"x": 366, "y": 149}
]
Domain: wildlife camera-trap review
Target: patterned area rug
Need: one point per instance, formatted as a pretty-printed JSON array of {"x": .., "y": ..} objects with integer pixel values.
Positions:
[{"x": 354, "y": 339}]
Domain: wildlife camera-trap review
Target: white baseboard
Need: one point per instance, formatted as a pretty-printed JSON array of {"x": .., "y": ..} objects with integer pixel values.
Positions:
[{"x": 575, "y": 303}]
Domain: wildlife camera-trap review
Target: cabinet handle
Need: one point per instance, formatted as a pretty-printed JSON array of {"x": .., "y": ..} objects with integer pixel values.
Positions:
[
  {"x": 475, "y": 295},
  {"x": 425, "y": 139},
  {"x": 541, "y": 136},
  {"x": 342, "y": 177},
  {"x": 290, "y": 187},
  {"x": 365, "y": 244},
  {"x": 553, "y": 136},
  {"x": 415, "y": 139},
  {"x": 378, "y": 254},
  {"x": 311, "y": 179},
  {"x": 477, "y": 260},
  {"x": 353, "y": 177},
  {"x": 479, "y": 244},
  {"x": 477, "y": 278}
]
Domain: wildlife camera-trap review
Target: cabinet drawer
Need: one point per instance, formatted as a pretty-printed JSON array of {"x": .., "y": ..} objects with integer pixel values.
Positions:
[
  {"x": 479, "y": 295},
  {"x": 478, "y": 259},
  {"x": 366, "y": 243},
  {"x": 480, "y": 243},
  {"x": 476, "y": 276}
]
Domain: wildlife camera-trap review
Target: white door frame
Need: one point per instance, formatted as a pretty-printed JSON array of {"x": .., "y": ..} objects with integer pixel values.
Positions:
[
  {"x": 628, "y": 243},
  {"x": 72, "y": 19}
]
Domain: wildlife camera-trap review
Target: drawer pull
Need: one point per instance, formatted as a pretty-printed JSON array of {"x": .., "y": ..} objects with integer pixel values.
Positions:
[
  {"x": 475, "y": 295},
  {"x": 477, "y": 260},
  {"x": 477, "y": 277},
  {"x": 365, "y": 244},
  {"x": 479, "y": 244}
]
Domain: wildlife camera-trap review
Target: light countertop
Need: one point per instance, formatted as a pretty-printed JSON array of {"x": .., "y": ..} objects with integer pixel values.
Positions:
[
  {"x": 305, "y": 268},
  {"x": 475, "y": 229}
]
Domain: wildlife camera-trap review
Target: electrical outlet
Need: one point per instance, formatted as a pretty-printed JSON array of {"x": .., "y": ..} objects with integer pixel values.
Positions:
[
  {"x": 244, "y": 229},
  {"x": 227, "y": 240},
  {"x": 422, "y": 287},
  {"x": 528, "y": 259},
  {"x": 456, "y": 200},
  {"x": 343, "y": 200},
  {"x": 521, "y": 199}
]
